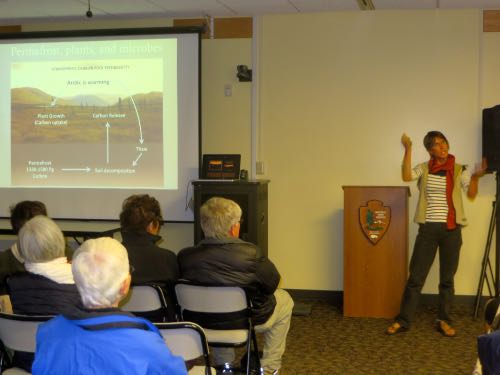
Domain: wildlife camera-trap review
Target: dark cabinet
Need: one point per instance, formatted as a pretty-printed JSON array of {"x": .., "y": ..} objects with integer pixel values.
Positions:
[{"x": 250, "y": 195}]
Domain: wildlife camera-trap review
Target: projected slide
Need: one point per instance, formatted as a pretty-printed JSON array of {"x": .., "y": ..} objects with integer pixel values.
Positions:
[
  {"x": 87, "y": 123},
  {"x": 99, "y": 114}
]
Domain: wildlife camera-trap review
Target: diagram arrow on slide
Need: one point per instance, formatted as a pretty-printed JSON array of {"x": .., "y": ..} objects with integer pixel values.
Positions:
[
  {"x": 107, "y": 142},
  {"x": 141, "y": 139},
  {"x": 75, "y": 169},
  {"x": 134, "y": 163}
]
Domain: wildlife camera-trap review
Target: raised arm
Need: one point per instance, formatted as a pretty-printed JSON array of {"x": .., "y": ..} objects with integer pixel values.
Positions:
[
  {"x": 479, "y": 172},
  {"x": 406, "y": 168}
]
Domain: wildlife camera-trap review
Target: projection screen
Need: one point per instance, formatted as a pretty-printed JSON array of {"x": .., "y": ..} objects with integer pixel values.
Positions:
[{"x": 91, "y": 117}]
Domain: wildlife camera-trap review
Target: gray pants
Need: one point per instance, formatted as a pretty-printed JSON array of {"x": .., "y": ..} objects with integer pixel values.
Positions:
[
  {"x": 275, "y": 331},
  {"x": 432, "y": 236}
]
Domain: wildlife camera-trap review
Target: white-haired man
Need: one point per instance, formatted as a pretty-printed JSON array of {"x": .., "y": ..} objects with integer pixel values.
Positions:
[
  {"x": 101, "y": 339},
  {"x": 222, "y": 258}
]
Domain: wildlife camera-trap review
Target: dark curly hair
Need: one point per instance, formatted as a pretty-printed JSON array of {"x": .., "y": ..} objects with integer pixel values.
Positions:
[{"x": 138, "y": 211}]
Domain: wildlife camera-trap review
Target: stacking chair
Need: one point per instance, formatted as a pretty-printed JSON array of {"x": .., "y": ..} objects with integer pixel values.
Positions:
[
  {"x": 147, "y": 301},
  {"x": 224, "y": 312},
  {"x": 18, "y": 332},
  {"x": 187, "y": 340}
]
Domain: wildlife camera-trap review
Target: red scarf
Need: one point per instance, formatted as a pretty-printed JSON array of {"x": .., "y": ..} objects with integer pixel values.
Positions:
[{"x": 449, "y": 167}]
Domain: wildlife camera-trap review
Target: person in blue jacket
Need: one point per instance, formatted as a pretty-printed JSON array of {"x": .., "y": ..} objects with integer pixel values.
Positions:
[{"x": 100, "y": 338}]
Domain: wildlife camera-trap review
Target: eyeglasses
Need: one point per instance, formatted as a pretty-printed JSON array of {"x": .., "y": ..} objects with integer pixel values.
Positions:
[{"x": 131, "y": 269}]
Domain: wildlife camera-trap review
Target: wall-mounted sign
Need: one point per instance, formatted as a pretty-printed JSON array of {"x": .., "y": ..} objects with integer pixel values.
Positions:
[{"x": 374, "y": 219}]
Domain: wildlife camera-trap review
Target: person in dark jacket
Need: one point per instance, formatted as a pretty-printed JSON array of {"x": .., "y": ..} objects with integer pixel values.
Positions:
[
  {"x": 488, "y": 344},
  {"x": 47, "y": 287},
  {"x": 140, "y": 222},
  {"x": 100, "y": 338},
  {"x": 221, "y": 258}
]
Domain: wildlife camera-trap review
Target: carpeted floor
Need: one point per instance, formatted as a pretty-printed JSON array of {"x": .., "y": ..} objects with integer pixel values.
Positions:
[{"x": 327, "y": 343}]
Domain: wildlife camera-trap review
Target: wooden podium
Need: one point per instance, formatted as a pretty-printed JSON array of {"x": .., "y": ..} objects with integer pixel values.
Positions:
[{"x": 375, "y": 249}]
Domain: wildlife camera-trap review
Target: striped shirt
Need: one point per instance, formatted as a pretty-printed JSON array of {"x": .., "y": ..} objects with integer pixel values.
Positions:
[{"x": 435, "y": 193}]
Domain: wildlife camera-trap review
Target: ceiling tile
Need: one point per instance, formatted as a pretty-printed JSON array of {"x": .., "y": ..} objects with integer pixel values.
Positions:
[
  {"x": 305, "y": 6},
  {"x": 17, "y": 11},
  {"x": 404, "y": 4},
  {"x": 481, "y": 4}
]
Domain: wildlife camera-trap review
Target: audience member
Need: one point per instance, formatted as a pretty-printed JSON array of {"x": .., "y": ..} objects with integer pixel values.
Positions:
[
  {"x": 10, "y": 259},
  {"x": 140, "y": 222},
  {"x": 47, "y": 286},
  {"x": 488, "y": 345},
  {"x": 99, "y": 338},
  {"x": 222, "y": 258}
]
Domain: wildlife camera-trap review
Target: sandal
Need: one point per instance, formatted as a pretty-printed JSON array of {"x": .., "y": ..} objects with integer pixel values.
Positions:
[
  {"x": 395, "y": 328},
  {"x": 445, "y": 329}
]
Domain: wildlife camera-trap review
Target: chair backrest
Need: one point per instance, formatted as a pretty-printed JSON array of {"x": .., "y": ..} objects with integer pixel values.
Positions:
[
  {"x": 18, "y": 332},
  {"x": 223, "y": 311},
  {"x": 188, "y": 340},
  {"x": 147, "y": 301},
  {"x": 184, "y": 339},
  {"x": 213, "y": 307},
  {"x": 210, "y": 299}
]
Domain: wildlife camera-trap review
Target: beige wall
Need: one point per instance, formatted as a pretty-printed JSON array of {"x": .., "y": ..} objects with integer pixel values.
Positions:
[{"x": 226, "y": 119}]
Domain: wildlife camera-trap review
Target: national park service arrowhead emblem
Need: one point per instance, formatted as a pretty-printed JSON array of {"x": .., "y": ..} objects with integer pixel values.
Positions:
[{"x": 374, "y": 219}]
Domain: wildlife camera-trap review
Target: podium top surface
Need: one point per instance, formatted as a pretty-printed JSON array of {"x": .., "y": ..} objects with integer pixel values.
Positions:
[
  {"x": 229, "y": 182},
  {"x": 407, "y": 188}
]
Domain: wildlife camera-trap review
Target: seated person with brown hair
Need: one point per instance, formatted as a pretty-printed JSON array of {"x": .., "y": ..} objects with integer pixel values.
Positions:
[
  {"x": 140, "y": 222},
  {"x": 47, "y": 287}
]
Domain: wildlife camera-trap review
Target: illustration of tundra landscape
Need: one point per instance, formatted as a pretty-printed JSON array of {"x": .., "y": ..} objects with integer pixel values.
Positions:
[{"x": 86, "y": 139}]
